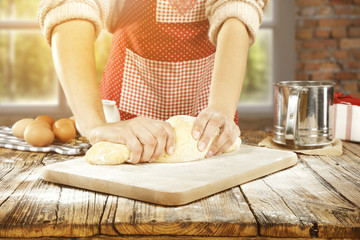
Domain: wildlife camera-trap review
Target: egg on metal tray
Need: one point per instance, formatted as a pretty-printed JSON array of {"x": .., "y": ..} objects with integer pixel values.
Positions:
[
  {"x": 40, "y": 123},
  {"x": 64, "y": 130},
  {"x": 38, "y": 135},
  {"x": 62, "y": 121},
  {"x": 46, "y": 118},
  {"x": 19, "y": 127}
]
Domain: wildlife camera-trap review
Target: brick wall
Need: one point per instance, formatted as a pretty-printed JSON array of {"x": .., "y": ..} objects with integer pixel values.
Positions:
[{"x": 328, "y": 42}]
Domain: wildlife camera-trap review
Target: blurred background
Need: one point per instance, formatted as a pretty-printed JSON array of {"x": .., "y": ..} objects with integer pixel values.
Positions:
[{"x": 298, "y": 40}]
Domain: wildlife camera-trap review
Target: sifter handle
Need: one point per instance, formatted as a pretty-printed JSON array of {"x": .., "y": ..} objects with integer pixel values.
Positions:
[{"x": 291, "y": 118}]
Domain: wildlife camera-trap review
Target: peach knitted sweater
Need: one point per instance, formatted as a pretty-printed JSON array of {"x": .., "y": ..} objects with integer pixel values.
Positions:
[{"x": 103, "y": 14}]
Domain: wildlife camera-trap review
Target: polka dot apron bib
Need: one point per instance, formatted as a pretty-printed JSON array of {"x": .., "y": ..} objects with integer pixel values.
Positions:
[{"x": 161, "y": 60}]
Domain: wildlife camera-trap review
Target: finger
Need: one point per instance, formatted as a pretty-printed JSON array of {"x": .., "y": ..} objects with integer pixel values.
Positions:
[
  {"x": 160, "y": 135},
  {"x": 220, "y": 150},
  {"x": 135, "y": 147},
  {"x": 210, "y": 131},
  {"x": 200, "y": 124},
  {"x": 224, "y": 140},
  {"x": 149, "y": 143},
  {"x": 170, "y": 142}
]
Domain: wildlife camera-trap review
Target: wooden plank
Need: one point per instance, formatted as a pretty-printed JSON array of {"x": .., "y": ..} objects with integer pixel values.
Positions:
[
  {"x": 298, "y": 203},
  {"x": 341, "y": 175},
  {"x": 274, "y": 217},
  {"x": 33, "y": 214},
  {"x": 350, "y": 159},
  {"x": 34, "y": 208},
  {"x": 18, "y": 167},
  {"x": 15, "y": 185},
  {"x": 167, "y": 237},
  {"x": 107, "y": 226},
  {"x": 39, "y": 209},
  {"x": 79, "y": 213},
  {"x": 352, "y": 147},
  {"x": 9, "y": 159},
  {"x": 55, "y": 158},
  {"x": 223, "y": 214},
  {"x": 15, "y": 181},
  {"x": 252, "y": 137}
]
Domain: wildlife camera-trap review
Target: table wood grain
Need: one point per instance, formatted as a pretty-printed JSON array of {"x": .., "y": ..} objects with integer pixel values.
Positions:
[{"x": 317, "y": 198}]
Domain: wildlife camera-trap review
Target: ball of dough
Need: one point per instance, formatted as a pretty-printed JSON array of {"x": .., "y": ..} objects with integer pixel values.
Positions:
[
  {"x": 106, "y": 153},
  {"x": 185, "y": 145}
]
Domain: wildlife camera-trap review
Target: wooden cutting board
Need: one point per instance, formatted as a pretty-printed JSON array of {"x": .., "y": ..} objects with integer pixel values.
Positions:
[{"x": 172, "y": 183}]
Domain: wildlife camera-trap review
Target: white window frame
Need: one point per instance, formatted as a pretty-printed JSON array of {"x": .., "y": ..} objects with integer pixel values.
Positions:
[
  {"x": 282, "y": 53},
  {"x": 61, "y": 108}
]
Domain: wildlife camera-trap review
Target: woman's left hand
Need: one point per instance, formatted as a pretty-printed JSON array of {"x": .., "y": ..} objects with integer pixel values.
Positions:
[{"x": 207, "y": 124}]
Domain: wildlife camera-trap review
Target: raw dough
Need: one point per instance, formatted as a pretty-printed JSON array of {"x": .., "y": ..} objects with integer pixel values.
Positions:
[{"x": 106, "y": 153}]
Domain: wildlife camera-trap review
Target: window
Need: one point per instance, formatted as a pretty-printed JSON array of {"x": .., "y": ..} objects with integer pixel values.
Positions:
[
  {"x": 26, "y": 77},
  {"x": 271, "y": 59},
  {"x": 28, "y": 83}
]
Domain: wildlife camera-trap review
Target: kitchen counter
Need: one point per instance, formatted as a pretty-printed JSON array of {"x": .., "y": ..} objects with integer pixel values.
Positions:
[{"x": 317, "y": 198}]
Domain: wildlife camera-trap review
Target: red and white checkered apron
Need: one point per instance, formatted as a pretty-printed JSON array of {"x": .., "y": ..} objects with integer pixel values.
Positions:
[{"x": 161, "y": 60}]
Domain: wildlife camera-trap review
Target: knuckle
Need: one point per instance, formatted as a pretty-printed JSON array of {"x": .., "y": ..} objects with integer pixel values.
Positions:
[
  {"x": 150, "y": 141},
  {"x": 214, "y": 122},
  {"x": 95, "y": 137},
  {"x": 167, "y": 125},
  {"x": 201, "y": 121},
  {"x": 163, "y": 134},
  {"x": 205, "y": 139},
  {"x": 169, "y": 129},
  {"x": 136, "y": 148},
  {"x": 160, "y": 133},
  {"x": 205, "y": 114},
  {"x": 227, "y": 135},
  {"x": 158, "y": 151},
  {"x": 197, "y": 127}
]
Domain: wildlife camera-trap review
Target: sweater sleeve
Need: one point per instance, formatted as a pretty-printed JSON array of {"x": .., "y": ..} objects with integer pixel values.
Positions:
[
  {"x": 249, "y": 12},
  {"x": 101, "y": 13}
]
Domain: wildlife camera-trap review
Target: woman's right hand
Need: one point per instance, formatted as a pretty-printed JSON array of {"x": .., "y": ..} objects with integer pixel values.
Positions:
[{"x": 146, "y": 138}]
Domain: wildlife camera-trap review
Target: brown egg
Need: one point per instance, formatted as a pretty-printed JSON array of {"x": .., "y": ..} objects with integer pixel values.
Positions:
[
  {"x": 40, "y": 123},
  {"x": 46, "y": 118},
  {"x": 38, "y": 135},
  {"x": 19, "y": 127},
  {"x": 62, "y": 121},
  {"x": 64, "y": 132}
]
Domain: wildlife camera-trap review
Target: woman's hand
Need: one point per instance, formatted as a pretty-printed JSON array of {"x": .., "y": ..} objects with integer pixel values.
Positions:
[
  {"x": 146, "y": 138},
  {"x": 207, "y": 124}
]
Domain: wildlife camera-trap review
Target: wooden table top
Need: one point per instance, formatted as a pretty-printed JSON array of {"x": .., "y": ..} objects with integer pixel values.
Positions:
[{"x": 317, "y": 198}]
